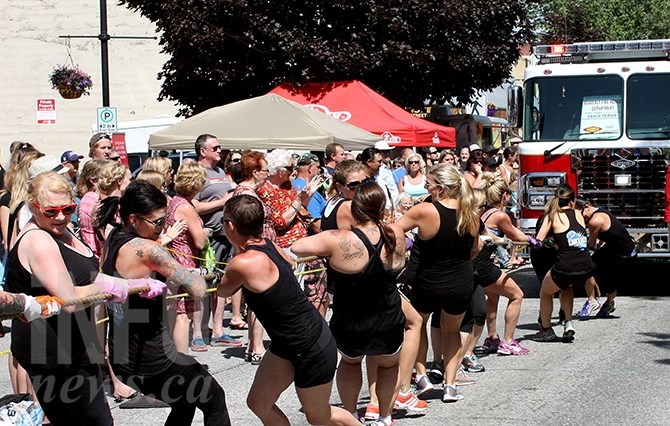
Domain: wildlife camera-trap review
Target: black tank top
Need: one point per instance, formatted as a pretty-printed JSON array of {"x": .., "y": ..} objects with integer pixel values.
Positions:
[
  {"x": 617, "y": 239},
  {"x": 64, "y": 339},
  {"x": 431, "y": 260},
  {"x": 573, "y": 256},
  {"x": 290, "y": 320},
  {"x": 367, "y": 301},
  {"x": 483, "y": 258},
  {"x": 139, "y": 341},
  {"x": 329, "y": 217}
]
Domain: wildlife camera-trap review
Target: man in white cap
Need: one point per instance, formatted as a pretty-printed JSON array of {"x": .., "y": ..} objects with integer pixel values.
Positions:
[
  {"x": 385, "y": 175},
  {"x": 47, "y": 163}
]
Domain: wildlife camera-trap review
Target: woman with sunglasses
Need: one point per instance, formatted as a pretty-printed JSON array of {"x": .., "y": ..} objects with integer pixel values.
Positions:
[
  {"x": 473, "y": 169},
  {"x": 440, "y": 266},
  {"x": 233, "y": 159},
  {"x": 254, "y": 175},
  {"x": 414, "y": 182},
  {"x": 287, "y": 204},
  {"x": 52, "y": 261},
  {"x": 140, "y": 345},
  {"x": 303, "y": 351},
  {"x": 495, "y": 282}
]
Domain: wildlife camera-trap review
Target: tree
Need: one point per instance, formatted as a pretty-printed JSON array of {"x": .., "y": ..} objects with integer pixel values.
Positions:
[
  {"x": 566, "y": 21},
  {"x": 409, "y": 50}
]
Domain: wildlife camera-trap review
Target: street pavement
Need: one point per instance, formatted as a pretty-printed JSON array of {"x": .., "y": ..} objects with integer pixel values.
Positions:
[{"x": 617, "y": 371}]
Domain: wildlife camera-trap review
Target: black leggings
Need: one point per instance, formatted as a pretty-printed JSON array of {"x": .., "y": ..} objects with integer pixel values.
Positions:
[
  {"x": 71, "y": 395},
  {"x": 185, "y": 386}
]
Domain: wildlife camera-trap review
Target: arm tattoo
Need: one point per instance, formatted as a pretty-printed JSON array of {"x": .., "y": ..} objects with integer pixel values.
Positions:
[{"x": 11, "y": 304}]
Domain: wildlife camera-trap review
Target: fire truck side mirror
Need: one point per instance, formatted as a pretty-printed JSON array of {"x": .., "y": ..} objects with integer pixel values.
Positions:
[{"x": 515, "y": 106}]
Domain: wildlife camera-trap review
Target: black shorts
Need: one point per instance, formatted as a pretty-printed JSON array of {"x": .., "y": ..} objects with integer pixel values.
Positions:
[
  {"x": 453, "y": 298},
  {"x": 566, "y": 280},
  {"x": 316, "y": 366},
  {"x": 488, "y": 274}
]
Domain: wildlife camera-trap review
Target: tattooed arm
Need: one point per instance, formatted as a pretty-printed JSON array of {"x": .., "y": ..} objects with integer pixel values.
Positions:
[
  {"x": 156, "y": 258},
  {"x": 11, "y": 304}
]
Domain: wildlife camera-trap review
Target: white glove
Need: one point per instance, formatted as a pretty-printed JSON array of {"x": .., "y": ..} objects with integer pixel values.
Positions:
[
  {"x": 487, "y": 240},
  {"x": 41, "y": 306}
]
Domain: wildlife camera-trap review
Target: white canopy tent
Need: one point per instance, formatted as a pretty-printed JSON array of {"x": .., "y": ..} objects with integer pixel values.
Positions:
[{"x": 265, "y": 122}]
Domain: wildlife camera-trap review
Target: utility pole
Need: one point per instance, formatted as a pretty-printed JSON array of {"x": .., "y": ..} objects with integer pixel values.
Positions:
[{"x": 104, "y": 37}]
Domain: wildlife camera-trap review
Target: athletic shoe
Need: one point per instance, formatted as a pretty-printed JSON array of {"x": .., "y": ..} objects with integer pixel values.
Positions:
[
  {"x": 606, "y": 310},
  {"x": 225, "y": 340},
  {"x": 491, "y": 343},
  {"x": 423, "y": 385},
  {"x": 568, "y": 332},
  {"x": 462, "y": 378},
  {"x": 589, "y": 307},
  {"x": 547, "y": 335},
  {"x": 198, "y": 345},
  {"x": 471, "y": 364},
  {"x": 408, "y": 401},
  {"x": 451, "y": 394},
  {"x": 371, "y": 412},
  {"x": 512, "y": 348},
  {"x": 436, "y": 372}
]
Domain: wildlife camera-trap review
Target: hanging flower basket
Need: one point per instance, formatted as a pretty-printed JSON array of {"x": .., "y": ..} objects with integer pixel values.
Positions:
[{"x": 71, "y": 82}]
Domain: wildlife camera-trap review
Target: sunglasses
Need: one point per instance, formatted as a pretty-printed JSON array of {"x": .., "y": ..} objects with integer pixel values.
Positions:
[
  {"x": 289, "y": 168},
  {"x": 158, "y": 223},
  {"x": 235, "y": 160},
  {"x": 215, "y": 148},
  {"x": 353, "y": 185},
  {"x": 52, "y": 212},
  {"x": 115, "y": 158},
  {"x": 414, "y": 162}
]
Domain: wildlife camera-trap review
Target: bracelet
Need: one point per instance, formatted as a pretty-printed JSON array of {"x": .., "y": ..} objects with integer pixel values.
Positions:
[{"x": 294, "y": 208}]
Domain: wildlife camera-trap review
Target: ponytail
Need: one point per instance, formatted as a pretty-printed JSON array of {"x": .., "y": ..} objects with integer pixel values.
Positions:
[
  {"x": 107, "y": 212},
  {"x": 368, "y": 205}
]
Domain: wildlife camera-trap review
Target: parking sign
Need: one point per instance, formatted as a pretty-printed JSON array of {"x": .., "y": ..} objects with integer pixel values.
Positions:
[{"x": 107, "y": 120}]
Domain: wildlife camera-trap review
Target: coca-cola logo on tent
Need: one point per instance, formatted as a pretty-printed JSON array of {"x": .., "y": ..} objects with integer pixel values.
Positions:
[{"x": 340, "y": 115}]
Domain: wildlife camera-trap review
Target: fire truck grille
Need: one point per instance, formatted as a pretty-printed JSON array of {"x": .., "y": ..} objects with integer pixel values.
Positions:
[{"x": 629, "y": 183}]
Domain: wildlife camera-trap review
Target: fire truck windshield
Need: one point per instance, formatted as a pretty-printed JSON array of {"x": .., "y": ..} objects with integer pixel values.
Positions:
[
  {"x": 648, "y": 106},
  {"x": 573, "y": 108}
]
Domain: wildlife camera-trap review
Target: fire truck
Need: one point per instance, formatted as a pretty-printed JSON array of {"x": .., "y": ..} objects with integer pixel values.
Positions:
[{"x": 597, "y": 116}]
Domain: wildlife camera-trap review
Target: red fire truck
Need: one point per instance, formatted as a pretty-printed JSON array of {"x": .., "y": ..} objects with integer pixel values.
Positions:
[{"x": 597, "y": 116}]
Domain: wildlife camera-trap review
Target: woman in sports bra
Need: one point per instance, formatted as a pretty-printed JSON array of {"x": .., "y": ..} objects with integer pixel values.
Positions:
[
  {"x": 303, "y": 350},
  {"x": 367, "y": 318},
  {"x": 495, "y": 282}
]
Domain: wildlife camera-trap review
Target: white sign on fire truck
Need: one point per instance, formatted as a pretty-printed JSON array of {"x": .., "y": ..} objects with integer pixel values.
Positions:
[
  {"x": 601, "y": 117},
  {"x": 107, "y": 120}
]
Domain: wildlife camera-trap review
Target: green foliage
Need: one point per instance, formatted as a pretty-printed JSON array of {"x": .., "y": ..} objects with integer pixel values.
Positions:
[
  {"x": 409, "y": 50},
  {"x": 596, "y": 20}
]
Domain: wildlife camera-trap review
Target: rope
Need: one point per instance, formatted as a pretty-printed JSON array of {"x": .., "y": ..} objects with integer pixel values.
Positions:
[
  {"x": 297, "y": 260},
  {"x": 86, "y": 300}
]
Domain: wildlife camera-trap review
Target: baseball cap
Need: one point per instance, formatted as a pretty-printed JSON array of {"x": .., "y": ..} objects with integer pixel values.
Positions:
[
  {"x": 382, "y": 145},
  {"x": 70, "y": 156},
  {"x": 475, "y": 147},
  {"x": 48, "y": 163},
  {"x": 96, "y": 137},
  {"x": 307, "y": 159}
]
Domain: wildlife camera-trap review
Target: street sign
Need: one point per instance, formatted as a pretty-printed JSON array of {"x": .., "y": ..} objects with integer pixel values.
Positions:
[
  {"x": 46, "y": 111},
  {"x": 107, "y": 120}
]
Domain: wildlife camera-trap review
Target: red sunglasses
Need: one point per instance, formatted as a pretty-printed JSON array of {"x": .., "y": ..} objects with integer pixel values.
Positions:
[{"x": 52, "y": 212}]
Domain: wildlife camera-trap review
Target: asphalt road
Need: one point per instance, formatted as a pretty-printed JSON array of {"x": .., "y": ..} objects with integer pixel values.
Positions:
[{"x": 617, "y": 371}]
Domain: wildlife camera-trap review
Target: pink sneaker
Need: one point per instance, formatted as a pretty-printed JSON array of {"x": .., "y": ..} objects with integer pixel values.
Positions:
[{"x": 511, "y": 348}]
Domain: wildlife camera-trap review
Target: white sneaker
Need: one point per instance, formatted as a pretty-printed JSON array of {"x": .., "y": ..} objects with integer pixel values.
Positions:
[{"x": 451, "y": 394}]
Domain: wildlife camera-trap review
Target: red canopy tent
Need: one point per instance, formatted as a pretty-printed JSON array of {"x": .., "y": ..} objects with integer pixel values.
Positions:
[{"x": 357, "y": 104}]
